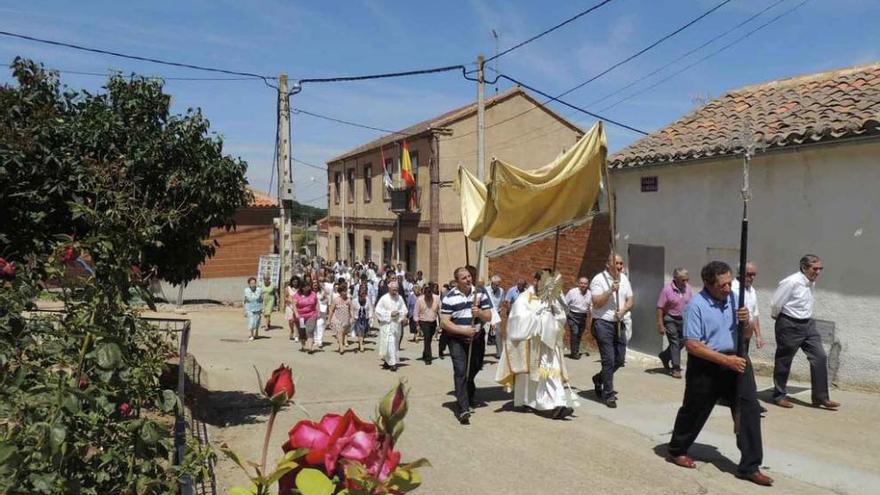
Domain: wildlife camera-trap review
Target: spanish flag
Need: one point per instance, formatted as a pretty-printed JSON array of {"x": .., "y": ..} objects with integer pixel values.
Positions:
[
  {"x": 406, "y": 167},
  {"x": 406, "y": 174}
]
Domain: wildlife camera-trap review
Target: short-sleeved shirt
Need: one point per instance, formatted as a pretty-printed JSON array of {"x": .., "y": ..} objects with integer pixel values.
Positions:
[
  {"x": 751, "y": 299},
  {"x": 512, "y": 294},
  {"x": 306, "y": 306},
  {"x": 601, "y": 284},
  {"x": 577, "y": 302},
  {"x": 495, "y": 297},
  {"x": 458, "y": 305},
  {"x": 672, "y": 300},
  {"x": 711, "y": 321}
]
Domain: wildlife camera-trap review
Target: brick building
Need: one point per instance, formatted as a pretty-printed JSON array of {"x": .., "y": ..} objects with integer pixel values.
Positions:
[
  {"x": 237, "y": 256},
  {"x": 427, "y": 235}
]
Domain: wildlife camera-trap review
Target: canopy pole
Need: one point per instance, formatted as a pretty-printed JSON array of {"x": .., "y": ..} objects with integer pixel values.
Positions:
[
  {"x": 556, "y": 248},
  {"x": 609, "y": 202},
  {"x": 467, "y": 253}
]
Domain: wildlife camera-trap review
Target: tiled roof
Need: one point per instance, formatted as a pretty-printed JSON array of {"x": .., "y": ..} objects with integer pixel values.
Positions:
[
  {"x": 441, "y": 121},
  {"x": 262, "y": 200},
  {"x": 815, "y": 108}
]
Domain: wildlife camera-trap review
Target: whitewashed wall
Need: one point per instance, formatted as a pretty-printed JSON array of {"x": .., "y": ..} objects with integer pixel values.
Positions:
[{"x": 821, "y": 199}]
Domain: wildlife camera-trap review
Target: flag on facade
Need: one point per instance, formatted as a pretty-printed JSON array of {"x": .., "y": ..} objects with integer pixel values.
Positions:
[
  {"x": 406, "y": 174},
  {"x": 386, "y": 175}
]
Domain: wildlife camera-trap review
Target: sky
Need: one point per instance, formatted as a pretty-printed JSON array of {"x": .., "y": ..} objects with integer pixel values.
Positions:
[{"x": 312, "y": 39}]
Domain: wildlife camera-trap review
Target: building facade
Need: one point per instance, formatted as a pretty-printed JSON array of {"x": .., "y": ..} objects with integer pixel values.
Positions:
[
  {"x": 813, "y": 183},
  {"x": 428, "y": 236}
]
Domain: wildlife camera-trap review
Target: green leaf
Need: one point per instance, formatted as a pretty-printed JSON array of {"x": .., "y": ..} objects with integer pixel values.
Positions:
[
  {"x": 57, "y": 435},
  {"x": 404, "y": 480},
  {"x": 170, "y": 401},
  {"x": 151, "y": 433},
  {"x": 9, "y": 457},
  {"x": 240, "y": 490},
  {"x": 109, "y": 356},
  {"x": 313, "y": 482}
]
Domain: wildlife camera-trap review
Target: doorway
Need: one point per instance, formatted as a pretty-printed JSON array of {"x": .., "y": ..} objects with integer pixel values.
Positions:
[{"x": 646, "y": 268}]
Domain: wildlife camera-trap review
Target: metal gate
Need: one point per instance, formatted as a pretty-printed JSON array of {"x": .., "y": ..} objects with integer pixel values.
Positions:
[{"x": 646, "y": 266}]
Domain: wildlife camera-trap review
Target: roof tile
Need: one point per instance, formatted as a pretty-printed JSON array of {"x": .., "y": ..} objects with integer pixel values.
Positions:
[{"x": 818, "y": 107}]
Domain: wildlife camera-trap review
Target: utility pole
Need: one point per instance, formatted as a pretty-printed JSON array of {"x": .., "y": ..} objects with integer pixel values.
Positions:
[
  {"x": 481, "y": 154},
  {"x": 285, "y": 182}
]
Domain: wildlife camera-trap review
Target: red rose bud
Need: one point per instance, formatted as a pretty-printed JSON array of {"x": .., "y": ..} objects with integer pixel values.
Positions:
[
  {"x": 83, "y": 382},
  {"x": 393, "y": 406},
  {"x": 135, "y": 269},
  {"x": 281, "y": 382},
  {"x": 125, "y": 409},
  {"x": 7, "y": 269},
  {"x": 69, "y": 254}
]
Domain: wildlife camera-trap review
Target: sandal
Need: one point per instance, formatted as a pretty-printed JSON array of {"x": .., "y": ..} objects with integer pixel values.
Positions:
[{"x": 683, "y": 461}]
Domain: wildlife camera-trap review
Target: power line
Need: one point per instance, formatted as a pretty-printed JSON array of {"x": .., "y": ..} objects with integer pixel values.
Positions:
[
  {"x": 649, "y": 47},
  {"x": 574, "y": 107},
  {"x": 307, "y": 164},
  {"x": 646, "y": 76},
  {"x": 716, "y": 52},
  {"x": 386, "y": 75},
  {"x": 548, "y": 31},
  {"x": 346, "y": 122},
  {"x": 688, "y": 53},
  {"x": 604, "y": 72},
  {"x": 164, "y": 78},
  {"x": 132, "y": 57}
]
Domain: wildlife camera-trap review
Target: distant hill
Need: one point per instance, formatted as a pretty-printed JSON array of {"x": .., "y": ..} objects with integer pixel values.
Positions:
[{"x": 308, "y": 213}]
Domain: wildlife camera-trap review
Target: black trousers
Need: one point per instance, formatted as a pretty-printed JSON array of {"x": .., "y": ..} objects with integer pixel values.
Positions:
[
  {"x": 612, "y": 350},
  {"x": 428, "y": 329},
  {"x": 462, "y": 374},
  {"x": 576, "y": 322},
  {"x": 444, "y": 342},
  {"x": 791, "y": 335},
  {"x": 706, "y": 383}
]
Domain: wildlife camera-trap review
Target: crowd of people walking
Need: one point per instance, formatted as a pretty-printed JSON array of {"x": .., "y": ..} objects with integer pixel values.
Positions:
[{"x": 527, "y": 322}]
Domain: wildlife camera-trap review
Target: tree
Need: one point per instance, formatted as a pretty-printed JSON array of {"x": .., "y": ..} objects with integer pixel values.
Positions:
[{"x": 62, "y": 151}]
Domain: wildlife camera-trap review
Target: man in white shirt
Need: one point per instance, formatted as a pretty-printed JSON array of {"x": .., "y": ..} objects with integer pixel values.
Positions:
[
  {"x": 612, "y": 299},
  {"x": 578, "y": 301},
  {"x": 496, "y": 297},
  {"x": 751, "y": 301},
  {"x": 792, "y": 308}
]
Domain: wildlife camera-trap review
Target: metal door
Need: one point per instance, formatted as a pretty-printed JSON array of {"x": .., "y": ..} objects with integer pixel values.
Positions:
[{"x": 646, "y": 266}]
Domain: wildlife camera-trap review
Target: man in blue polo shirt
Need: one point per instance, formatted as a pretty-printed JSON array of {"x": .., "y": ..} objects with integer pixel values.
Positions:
[
  {"x": 713, "y": 368},
  {"x": 463, "y": 310}
]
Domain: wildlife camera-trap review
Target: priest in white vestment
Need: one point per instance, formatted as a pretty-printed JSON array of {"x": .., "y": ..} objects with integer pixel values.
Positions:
[
  {"x": 531, "y": 361},
  {"x": 391, "y": 312}
]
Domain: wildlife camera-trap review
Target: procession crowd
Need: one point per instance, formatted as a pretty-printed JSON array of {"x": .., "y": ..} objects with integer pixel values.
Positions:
[{"x": 527, "y": 324}]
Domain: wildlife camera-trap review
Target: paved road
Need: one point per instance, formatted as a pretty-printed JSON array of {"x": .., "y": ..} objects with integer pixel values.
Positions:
[{"x": 600, "y": 450}]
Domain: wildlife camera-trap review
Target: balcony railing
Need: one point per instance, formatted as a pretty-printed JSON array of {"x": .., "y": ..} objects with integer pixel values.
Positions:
[{"x": 402, "y": 199}]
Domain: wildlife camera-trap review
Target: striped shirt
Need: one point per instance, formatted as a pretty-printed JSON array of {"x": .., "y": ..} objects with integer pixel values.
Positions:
[{"x": 458, "y": 305}]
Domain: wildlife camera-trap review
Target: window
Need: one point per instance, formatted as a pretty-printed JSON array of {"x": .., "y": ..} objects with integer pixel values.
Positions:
[
  {"x": 649, "y": 184},
  {"x": 350, "y": 184},
  {"x": 336, "y": 247},
  {"x": 386, "y": 250},
  {"x": 368, "y": 183},
  {"x": 388, "y": 173},
  {"x": 414, "y": 160},
  {"x": 337, "y": 181}
]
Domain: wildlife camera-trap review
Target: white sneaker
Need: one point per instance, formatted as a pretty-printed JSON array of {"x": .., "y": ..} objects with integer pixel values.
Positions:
[{"x": 250, "y": 338}]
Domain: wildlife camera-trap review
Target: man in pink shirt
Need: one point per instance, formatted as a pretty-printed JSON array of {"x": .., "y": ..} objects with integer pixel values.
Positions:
[{"x": 670, "y": 308}]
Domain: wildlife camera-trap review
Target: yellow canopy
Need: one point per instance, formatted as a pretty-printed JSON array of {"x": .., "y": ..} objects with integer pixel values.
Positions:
[{"x": 518, "y": 202}]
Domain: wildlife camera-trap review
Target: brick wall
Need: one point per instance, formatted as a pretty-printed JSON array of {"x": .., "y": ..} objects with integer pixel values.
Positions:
[
  {"x": 582, "y": 252},
  {"x": 239, "y": 251}
]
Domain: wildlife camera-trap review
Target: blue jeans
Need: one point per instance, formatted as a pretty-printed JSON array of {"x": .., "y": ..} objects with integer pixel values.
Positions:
[{"x": 612, "y": 349}]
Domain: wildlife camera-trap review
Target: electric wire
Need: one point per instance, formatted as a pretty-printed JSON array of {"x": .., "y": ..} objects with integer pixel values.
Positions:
[
  {"x": 418, "y": 72},
  {"x": 547, "y": 31},
  {"x": 604, "y": 72},
  {"x": 164, "y": 78},
  {"x": 688, "y": 53},
  {"x": 710, "y": 55},
  {"x": 307, "y": 164},
  {"x": 346, "y": 122},
  {"x": 134, "y": 57}
]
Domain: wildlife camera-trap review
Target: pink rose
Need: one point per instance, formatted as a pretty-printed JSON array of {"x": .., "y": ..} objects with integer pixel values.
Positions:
[{"x": 334, "y": 437}]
